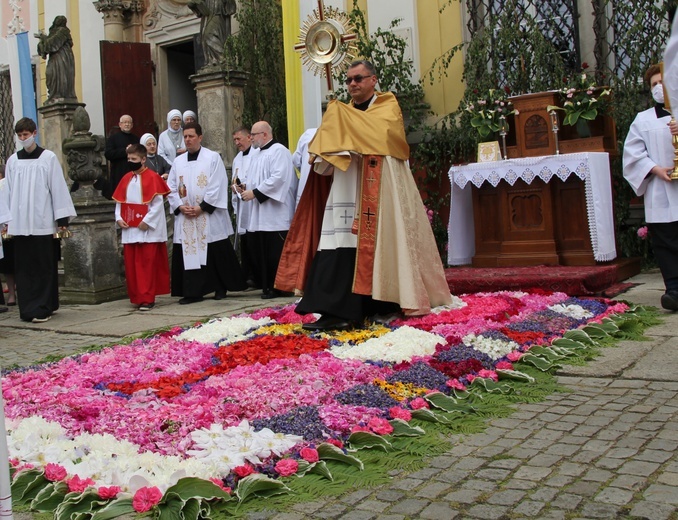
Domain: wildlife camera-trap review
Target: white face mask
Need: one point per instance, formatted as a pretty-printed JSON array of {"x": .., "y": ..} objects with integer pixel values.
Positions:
[
  {"x": 27, "y": 143},
  {"x": 658, "y": 93}
]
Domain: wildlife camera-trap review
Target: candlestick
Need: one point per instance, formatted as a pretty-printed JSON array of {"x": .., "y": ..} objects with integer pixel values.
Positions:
[
  {"x": 502, "y": 132},
  {"x": 555, "y": 128}
]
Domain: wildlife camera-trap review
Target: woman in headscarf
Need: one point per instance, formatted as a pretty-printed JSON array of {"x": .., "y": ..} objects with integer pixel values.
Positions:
[
  {"x": 190, "y": 117},
  {"x": 155, "y": 162},
  {"x": 171, "y": 141}
]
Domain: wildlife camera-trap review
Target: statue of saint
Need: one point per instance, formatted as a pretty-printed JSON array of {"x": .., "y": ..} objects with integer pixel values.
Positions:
[
  {"x": 215, "y": 26},
  {"x": 60, "y": 73}
]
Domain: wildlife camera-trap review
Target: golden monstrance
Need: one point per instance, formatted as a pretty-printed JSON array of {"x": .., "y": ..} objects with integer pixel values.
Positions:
[{"x": 327, "y": 42}]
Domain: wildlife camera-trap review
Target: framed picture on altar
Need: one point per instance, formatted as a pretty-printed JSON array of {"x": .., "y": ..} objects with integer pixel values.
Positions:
[{"x": 488, "y": 152}]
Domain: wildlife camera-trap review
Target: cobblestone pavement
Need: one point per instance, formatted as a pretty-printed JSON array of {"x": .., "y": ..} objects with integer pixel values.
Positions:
[{"x": 607, "y": 449}]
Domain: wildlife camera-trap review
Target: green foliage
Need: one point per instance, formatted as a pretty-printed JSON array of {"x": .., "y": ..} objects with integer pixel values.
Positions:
[{"x": 257, "y": 48}]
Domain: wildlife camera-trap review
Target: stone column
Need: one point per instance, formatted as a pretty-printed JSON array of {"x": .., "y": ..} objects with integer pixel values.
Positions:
[
  {"x": 56, "y": 122},
  {"x": 117, "y": 14},
  {"x": 92, "y": 262},
  {"x": 220, "y": 107}
]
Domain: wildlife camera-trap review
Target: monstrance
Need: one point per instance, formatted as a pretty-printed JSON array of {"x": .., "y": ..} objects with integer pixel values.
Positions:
[{"x": 327, "y": 42}]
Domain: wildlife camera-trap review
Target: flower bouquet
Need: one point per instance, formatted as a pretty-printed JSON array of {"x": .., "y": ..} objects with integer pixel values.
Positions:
[
  {"x": 489, "y": 112},
  {"x": 582, "y": 101}
]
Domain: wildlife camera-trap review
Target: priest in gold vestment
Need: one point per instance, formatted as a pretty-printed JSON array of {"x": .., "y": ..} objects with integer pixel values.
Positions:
[{"x": 360, "y": 244}]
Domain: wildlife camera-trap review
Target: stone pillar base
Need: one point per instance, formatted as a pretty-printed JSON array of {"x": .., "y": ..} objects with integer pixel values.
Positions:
[
  {"x": 220, "y": 107},
  {"x": 56, "y": 123},
  {"x": 92, "y": 263}
]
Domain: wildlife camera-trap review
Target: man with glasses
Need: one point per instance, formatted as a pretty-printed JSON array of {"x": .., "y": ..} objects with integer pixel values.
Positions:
[
  {"x": 116, "y": 151},
  {"x": 361, "y": 244},
  {"x": 271, "y": 194}
]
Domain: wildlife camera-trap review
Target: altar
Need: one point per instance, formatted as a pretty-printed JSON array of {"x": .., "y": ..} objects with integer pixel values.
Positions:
[{"x": 553, "y": 209}]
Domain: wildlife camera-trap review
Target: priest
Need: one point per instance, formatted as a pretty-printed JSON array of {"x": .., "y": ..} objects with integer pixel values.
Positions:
[
  {"x": 361, "y": 244},
  {"x": 271, "y": 193},
  {"x": 203, "y": 259},
  {"x": 40, "y": 205}
]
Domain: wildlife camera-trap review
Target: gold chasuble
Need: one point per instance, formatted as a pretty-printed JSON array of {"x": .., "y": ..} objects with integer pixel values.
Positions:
[{"x": 397, "y": 259}]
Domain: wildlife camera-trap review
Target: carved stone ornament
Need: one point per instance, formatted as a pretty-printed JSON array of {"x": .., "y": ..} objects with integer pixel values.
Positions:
[
  {"x": 16, "y": 24},
  {"x": 83, "y": 150},
  {"x": 127, "y": 6},
  {"x": 171, "y": 9}
]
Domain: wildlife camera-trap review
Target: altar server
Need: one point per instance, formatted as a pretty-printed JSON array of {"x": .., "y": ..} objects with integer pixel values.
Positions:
[
  {"x": 300, "y": 159},
  {"x": 271, "y": 193},
  {"x": 203, "y": 259},
  {"x": 39, "y": 204},
  {"x": 140, "y": 213},
  {"x": 648, "y": 163}
]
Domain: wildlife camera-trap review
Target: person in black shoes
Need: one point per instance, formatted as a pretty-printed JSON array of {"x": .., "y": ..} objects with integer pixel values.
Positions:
[{"x": 648, "y": 164}]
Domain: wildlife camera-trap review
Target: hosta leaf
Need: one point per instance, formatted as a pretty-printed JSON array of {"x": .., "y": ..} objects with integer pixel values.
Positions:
[
  {"x": 403, "y": 429},
  {"x": 362, "y": 440},
  {"x": 328, "y": 451},
  {"x": 259, "y": 485}
]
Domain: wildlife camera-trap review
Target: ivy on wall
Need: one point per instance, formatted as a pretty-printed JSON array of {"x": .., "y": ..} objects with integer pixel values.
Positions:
[{"x": 257, "y": 48}]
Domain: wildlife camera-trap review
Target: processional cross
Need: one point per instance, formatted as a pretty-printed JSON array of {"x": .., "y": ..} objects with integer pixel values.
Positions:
[{"x": 327, "y": 42}]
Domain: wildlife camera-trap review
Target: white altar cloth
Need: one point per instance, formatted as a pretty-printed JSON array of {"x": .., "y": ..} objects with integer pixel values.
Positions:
[{"x": 591, "y": 167}]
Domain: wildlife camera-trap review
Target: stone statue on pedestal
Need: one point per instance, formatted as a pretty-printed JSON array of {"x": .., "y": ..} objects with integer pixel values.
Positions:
[
  {"x": 215, "y": 26},
  {"x": 60, "y": 73}
]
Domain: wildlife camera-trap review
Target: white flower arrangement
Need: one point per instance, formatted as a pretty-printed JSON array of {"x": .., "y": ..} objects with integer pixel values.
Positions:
[
  {"x": 495, "y": 348},
  {"x": 396, "y": 346},
  {"x": 572, "y": 311},
  {"x": 223, "y": 330}
]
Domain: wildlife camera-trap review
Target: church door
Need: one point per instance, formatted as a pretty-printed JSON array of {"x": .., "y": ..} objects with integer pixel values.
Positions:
[{"x": 127, "y": 78}]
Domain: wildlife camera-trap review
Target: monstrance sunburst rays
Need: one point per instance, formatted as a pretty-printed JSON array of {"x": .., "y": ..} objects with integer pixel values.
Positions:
[{"x": 327, "y": 42}]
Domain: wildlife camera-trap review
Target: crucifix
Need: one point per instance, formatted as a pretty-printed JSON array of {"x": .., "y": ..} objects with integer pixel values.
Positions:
[{"x": 327, "y": 42}]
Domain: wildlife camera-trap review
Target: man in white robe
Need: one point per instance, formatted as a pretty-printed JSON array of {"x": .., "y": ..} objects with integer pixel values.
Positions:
[
  {"x": 300, "y": 159},
  {"x": 648, "y": 162},
  {"x": 239, "y": 182},
  {"x": 271, "y": 193},
  {"x": 203, "y": 259},
  {"x": 40, "y": 204}
]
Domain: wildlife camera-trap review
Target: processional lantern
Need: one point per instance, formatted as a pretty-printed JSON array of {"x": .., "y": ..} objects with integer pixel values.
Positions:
[
  {"x": 674, "y": 138},
  {"x": 327, "y": 43}
]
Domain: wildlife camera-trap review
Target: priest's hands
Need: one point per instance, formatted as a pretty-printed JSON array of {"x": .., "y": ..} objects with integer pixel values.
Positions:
[
  {"x": 247, "y": 195},
  {"x": 190, "y": 211},
  {"x": 662, "y": 172}
]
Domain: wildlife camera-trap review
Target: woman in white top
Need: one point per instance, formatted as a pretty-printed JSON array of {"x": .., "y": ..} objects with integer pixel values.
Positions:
[{"x": 171, "y": 141}]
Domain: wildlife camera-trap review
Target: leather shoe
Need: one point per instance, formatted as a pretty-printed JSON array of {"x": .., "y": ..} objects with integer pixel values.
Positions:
[
  {"x": 219, "y": 295},
  {"x": 328, "y": 322},
  {"x": 670, "y": 300},
  {"x": 187, "y": 300},
  {"x": 267, "y": 295},
  {"x": 3, "y": 309}
]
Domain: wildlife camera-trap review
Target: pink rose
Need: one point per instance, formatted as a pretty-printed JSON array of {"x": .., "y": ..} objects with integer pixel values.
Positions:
[
  {"x": 400, "y": 413},
  {"x": 470, "y": 378},
  {"x": 309, "y": 455},
  {"x": 642, "y": 232},
  {"x": 515, "y": 355},
  {"x": 504, "y": 365},
  {"x": 108, "y": 493},
  {"x": 55, "y": 473},
  {"x": 286, "y": 467},
  {"x": 220, "y": 483},
  {"x": 380, "y": 426},
  {"x": 145, "y": 498},
  {"x": 244, "y": 470},
  {"x": 488, "y": 374},
  {"x": 78, "y": 485},
  {"x": 456, "y": 384},
  {"x": 336, "y": 442},
  {"x": 418, "y": 403}
]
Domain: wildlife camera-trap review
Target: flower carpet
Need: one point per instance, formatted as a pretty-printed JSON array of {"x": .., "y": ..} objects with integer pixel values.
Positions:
[{"x": 200, "y": 422}]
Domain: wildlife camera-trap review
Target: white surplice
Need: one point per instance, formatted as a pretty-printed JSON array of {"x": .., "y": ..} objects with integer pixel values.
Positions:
[
  {"x": 154, "y": 219},
  {"x": 204, "y": 179},
  {"x": 272, "y": 173},
  {"x": 38, "y": 195},
  {"x": 648, "y": 144},
  {"x": 240, "y": 170},
  {"x": 300, "y": 159}
]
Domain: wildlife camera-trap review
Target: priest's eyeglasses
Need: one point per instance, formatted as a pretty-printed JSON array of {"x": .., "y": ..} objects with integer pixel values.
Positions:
[{"x": 357, "y": 79}]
